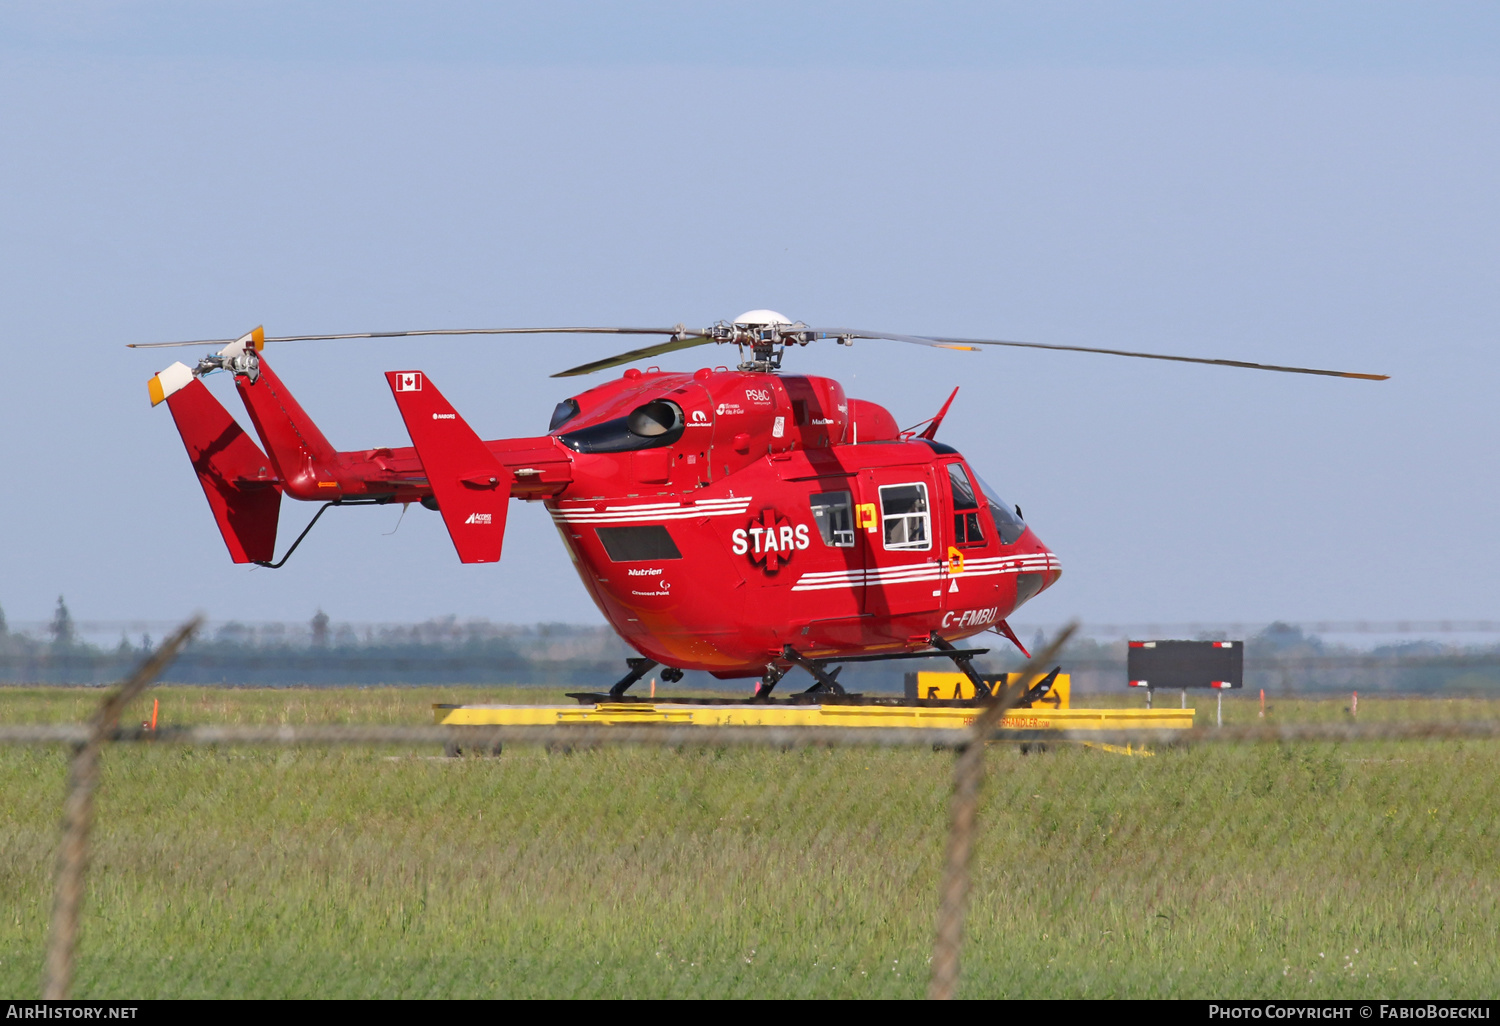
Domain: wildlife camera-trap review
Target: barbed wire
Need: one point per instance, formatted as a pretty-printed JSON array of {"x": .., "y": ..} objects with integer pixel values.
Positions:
[{"x": 687, "y": 736}]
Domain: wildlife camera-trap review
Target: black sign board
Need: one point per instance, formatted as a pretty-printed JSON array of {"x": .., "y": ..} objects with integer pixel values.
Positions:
[{"x": 1186, "y": 664}]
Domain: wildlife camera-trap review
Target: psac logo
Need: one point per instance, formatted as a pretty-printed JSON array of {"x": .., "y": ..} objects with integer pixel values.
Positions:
[
  {"x": 771, "y": 540},
  {"x": 761, "y": 396},
  {"x": 970, "y": 617}
]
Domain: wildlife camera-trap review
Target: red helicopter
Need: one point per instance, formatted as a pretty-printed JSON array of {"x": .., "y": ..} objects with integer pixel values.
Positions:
[{"x": 740, "y": 522}]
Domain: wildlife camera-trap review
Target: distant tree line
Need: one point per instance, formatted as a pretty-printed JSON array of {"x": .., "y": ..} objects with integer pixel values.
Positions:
[
  {"x": 324, "y": 653},
  {"x": 1283, "y": 659}
]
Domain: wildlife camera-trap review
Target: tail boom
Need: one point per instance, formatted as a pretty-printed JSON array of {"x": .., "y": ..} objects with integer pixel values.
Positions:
[{"x": 449, "y": 468}]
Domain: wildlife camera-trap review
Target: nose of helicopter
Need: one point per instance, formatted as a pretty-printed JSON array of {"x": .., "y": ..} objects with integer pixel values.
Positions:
[{"x": 1040, "y": 569}]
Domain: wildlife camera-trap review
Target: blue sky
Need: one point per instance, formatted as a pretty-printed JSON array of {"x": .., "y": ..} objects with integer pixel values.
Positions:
[
  {"x": 1296, "y": 183},
  {"x": 1363, "y": 36}
]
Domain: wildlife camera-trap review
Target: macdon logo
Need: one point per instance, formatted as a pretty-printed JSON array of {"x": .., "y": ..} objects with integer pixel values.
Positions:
[
  {"x": 970, "y": 617},
  {"x": 644, "y": 573},
  {"x": 485, "y": 518}
]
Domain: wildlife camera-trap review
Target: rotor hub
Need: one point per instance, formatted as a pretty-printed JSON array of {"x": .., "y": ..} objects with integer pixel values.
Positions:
[{"x": 766, "y": 333}]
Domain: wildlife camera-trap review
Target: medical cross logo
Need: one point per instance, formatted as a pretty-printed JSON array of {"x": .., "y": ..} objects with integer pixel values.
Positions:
[
  {"x": 411, "y": 381},
  {"x": 770, "y": 541}
]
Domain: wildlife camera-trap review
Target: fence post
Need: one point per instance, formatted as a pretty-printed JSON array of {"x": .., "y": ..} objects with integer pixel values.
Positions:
[
  {"x": 78, "y": 811},
  {"x": 968, "y": 775}
]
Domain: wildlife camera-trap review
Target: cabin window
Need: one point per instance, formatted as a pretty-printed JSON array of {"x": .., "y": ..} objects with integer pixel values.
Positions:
[
  {"x": 638, "y": 543},
  {"x": 833, "y": 512},
  {"x": 966, "y": 529},
  {"x": 1007, "y": 518},
  {"x": 907, "y": 518}
]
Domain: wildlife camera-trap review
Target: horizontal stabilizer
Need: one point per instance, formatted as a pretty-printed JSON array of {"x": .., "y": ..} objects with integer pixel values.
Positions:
[
  {"x": 472, "y": 488},
  {"x": 241, "y": 487}
]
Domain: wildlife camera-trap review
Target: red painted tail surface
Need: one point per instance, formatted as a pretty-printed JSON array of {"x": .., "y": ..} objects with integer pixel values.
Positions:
[
  {"x": 303, "y": 459},
  {"x": 236, "y": 476},
  {"x": 470, "y": 485}
]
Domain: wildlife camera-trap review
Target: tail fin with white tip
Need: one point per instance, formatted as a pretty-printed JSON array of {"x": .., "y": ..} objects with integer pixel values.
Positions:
[{"x": 242, "y": 488}]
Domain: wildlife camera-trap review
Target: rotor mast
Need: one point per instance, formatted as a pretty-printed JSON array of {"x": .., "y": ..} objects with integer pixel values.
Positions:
[{"x": 767, "y": 334}]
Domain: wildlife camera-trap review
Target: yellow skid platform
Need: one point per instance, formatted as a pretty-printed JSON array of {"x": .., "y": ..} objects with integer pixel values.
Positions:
[{"x": 749, "y": 715}]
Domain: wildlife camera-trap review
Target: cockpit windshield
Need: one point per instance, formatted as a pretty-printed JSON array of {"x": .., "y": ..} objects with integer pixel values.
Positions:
[
  {"x": 565, "y": 411},
  {"x": 656, "y": 424},
  {"x": 1007, "y": 517}
]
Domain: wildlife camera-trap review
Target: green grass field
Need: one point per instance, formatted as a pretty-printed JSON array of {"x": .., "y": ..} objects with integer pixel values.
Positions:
[{"x": 1326, "y": 870}]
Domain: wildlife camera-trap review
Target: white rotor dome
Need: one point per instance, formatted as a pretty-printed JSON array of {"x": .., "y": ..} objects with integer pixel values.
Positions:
[{"x": 761, "y": 317}]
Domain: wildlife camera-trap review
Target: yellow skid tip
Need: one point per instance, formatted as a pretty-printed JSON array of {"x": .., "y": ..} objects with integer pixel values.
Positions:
[{"x": 154, "y": 387}]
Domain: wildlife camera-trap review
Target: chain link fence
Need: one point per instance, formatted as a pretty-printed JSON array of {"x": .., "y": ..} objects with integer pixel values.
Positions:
[{"x": 318, "y": 844}]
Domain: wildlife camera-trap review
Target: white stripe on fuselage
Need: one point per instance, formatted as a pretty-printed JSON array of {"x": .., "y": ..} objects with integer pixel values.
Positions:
[
  {"x": 919, "y": 572},
  {"x": 913, "y": 573},
  {"x": 646, "y": 512}
]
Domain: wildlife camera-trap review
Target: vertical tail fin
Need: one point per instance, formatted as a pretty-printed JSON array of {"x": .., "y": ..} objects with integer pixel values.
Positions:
[
  {"x": 237, "y": 478},
  {"x": 304, "y": 460},
  {"x": 472, "y": 488}
]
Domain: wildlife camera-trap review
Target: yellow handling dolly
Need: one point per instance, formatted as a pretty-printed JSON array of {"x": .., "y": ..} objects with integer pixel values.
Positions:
[{"x": 753, "y": 714}]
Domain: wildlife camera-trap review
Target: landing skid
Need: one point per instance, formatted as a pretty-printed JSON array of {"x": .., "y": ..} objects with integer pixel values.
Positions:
[
  {"x": 794, "y": 698},
  {"x": 826, "y": 689}
]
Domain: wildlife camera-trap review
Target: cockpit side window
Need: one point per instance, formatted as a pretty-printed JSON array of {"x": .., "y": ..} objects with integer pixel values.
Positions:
[
  {"x": 966, "y": 527},
  {"x": 650, "y": 426},
  {"x": 565, "y": 411},
  {"x": 908, "y": 520},
  {"x": 833, "y": 512},
  {"x": 1007, "y": 518}
]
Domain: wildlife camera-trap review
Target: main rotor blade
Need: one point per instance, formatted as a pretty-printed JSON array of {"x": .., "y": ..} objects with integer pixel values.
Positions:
[
  {"x": 1175, "y": 359},
  {"x": 957, "y": 343},
  {"x": 678, "y": 330},
  {"x": 917, "y": 340},
  {"x": 636, "y": 354}
]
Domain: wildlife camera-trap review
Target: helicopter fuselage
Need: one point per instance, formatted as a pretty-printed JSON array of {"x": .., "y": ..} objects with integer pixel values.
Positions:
[{"x": 774, "y": 511}]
